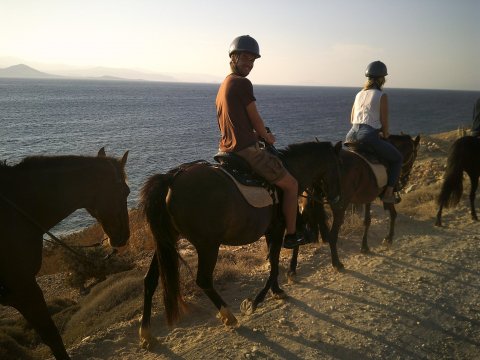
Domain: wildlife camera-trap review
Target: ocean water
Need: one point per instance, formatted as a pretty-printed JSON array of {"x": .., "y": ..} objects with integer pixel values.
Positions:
[{"x": 165, "y": 124}]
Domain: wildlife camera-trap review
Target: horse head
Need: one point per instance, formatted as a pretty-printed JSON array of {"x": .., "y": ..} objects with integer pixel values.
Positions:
[
  {"x": 109, "y": 205},
  {"x": 408, "y": 147},
  {"x": 332, "y": 178},
  {"x": 316, "y": 166}
]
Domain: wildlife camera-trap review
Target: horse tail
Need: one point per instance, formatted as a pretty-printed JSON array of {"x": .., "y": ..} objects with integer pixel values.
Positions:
[
  {"x": 452, "y": 187},
  {"x": 153, "y": 204}
]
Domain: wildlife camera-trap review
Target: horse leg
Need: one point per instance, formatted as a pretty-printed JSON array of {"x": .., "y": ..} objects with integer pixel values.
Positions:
[
  {"x": 338, "y": 218},
  {"x": 150, "y": 283},
  {"x": 322, "y": 224},
  {"x": 31, "y": 304},
  {"x": 438, "y": 221},
  {"x": 207, "y": 259},
  {"x": 473, "y": 190},
  {"x": 274, "y": 237},
  {"x": 292, "y": 270},
  {"x": 393, "y": 215},
  {"x": 367, "y": 220}
]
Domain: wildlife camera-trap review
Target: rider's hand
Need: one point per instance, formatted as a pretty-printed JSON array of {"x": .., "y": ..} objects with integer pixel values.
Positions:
[
  {"x": 270, "y": 138},
  {"x": 384, "y": 134}
]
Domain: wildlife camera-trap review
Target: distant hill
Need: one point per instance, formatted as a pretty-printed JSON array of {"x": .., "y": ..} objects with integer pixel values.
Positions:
[
  {"x": 101, "y": 73},
  {"x": 24, "y": 71}
]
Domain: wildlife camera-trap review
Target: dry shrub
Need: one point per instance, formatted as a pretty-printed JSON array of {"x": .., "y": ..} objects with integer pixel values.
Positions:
[
  {"x": 421, "y": 203},
  {"x": 18, "y": 340},
  {"x": 235, "y": 265},
  {"x": 117, "y": 299},
  {"x": 91, "y": 264},
  {"x": 11, "y": 346}
]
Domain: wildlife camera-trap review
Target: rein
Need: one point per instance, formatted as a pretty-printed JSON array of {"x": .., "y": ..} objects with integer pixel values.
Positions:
[{"x": 56, "y": 239}]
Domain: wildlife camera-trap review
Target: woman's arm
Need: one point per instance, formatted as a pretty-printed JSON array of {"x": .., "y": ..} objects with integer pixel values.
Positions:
[{"x": 384, "y": 115}]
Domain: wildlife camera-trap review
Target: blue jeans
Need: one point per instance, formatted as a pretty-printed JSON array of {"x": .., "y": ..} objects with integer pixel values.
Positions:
[{"x": 366, "y": 134}]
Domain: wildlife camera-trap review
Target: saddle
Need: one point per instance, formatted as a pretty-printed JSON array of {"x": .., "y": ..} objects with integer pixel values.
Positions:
[
  {"x": 254, "y": 188},
  {"x": 369, "y": 155}
]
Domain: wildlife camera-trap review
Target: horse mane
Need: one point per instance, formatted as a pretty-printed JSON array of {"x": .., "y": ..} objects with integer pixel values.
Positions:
[
  {"x": 305, "y": 147},
  {"x": 399, "y": 137},
  {"x": 61, "y": 161}
]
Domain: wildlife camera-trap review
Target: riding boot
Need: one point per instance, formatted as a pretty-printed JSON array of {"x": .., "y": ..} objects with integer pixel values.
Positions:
[{"x": 291, "y": 241}]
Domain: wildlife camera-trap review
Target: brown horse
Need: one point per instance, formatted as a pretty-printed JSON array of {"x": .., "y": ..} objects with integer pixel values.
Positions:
[
  {"x": 463, "y": 156},
  {"x": 200, "y": 203},
  {"x": 35, "y": 195},
  {"x": 359, "y": 186}
]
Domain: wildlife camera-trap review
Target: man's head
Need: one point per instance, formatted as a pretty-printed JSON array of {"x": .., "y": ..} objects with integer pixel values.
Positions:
[
  {"x": 244, "y": 43},
  {"x": 243, "y": 52}
]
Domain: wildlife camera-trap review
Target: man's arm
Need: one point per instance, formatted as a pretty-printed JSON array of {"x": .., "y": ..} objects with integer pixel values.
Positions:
[{"x": 258, "y": 124}]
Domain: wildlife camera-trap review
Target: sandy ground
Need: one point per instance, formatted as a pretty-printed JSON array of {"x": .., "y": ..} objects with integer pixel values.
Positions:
[{"x": 418, "y": 299}]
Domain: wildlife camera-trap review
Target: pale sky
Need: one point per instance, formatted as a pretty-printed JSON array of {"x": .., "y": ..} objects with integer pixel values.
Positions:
[{"x": 425, "y": 43}]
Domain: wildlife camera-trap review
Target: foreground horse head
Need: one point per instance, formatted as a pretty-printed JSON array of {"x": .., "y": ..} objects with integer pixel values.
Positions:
[
  {"x": 35, "y": 195},
  {"x": 109, "y": 204},
  {"x": 201, "y": 203}
]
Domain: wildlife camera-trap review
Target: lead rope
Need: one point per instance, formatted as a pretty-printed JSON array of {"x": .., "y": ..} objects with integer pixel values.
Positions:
[{"x": 56, "y": 239}]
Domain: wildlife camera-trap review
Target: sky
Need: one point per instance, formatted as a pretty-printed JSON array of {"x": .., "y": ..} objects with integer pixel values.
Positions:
[{"x": 430, "y": 44}]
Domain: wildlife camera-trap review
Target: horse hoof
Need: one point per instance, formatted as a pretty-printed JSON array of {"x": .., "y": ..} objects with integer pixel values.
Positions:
[
  {"x": 365, "y": 250},
  {"x": 291, "y": 277},
  {"x": 147, "y": 341},
  {"x": 387, "y": 241},
  {"x": 227, "y": 317},
  {"x": 281, "y": 295},
  {"x": 339, "y": 267},
  {"x": 247, "y": 307}
]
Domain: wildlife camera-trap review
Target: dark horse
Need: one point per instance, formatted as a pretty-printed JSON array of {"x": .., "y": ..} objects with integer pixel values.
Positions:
[
  {"x": 200, "y": 203},
  {"x": 463, "y": 156},
  {"x": 35, "y": 195},
  {"x": 359, "y": 186}
]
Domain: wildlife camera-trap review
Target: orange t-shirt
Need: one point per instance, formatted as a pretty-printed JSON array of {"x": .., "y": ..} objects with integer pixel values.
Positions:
[{"x": 236, "y": 129}]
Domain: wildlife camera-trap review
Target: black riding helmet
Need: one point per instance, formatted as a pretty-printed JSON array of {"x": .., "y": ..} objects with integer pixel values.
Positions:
[
  {"x": 244, "y": 43},
  {"x": 376, "y": 69}
]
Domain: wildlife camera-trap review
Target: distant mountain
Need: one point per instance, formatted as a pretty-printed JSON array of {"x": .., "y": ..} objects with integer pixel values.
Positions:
[
  {"x": 102, "y": 73},
  {"x": 24, "y": 71},
  {"x": 115, "y": 73}
]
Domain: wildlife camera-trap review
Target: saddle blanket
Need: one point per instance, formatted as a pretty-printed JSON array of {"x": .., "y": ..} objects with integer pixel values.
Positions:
[
  {"x": 256, "y": 196},
  {"x": 379, "y": 170}
]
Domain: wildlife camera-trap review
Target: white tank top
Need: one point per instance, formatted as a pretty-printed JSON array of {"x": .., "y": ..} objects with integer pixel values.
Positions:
[{"x": 367, "y": 108}]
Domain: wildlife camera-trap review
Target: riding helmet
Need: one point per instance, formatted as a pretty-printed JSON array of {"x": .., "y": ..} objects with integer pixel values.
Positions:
[
  {"x": 376, "y": 69},
  {"x": 244, "y": 43}
]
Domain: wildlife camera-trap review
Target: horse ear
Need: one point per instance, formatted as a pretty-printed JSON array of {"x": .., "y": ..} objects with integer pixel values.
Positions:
[
  {"x": 417, "y": 140},
  {"x": 101, "y": 152},
  {"x": 317, "y": 139},
  {"x": 338, "y": 147},
  {"x": 124, "y": 159}
]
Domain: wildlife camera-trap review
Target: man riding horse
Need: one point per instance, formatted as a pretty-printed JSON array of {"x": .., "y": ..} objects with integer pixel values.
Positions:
[{"x": 241, "y": 125}]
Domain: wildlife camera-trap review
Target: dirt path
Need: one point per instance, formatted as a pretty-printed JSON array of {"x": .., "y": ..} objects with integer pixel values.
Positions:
[{"x": 420, "y": 299}]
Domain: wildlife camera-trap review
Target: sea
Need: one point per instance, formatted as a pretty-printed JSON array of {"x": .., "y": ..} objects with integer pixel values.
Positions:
[{"x": 165, "y": 124}]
